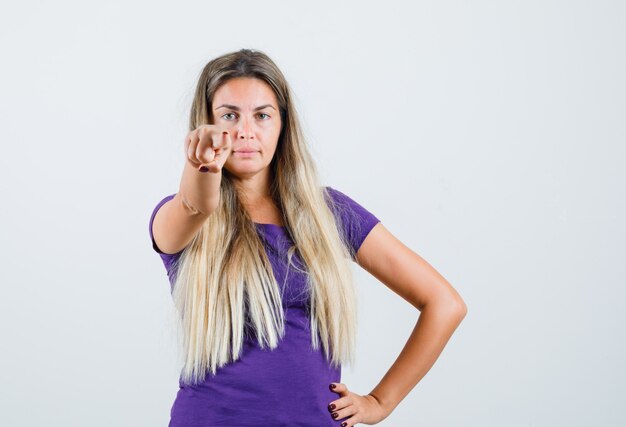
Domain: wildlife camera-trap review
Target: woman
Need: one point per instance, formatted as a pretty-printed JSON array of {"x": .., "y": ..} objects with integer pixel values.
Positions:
[{"x": 259, "y": 256}]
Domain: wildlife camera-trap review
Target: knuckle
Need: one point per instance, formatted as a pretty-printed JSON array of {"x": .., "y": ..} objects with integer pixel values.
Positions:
[{"x": 200, "y": 155}]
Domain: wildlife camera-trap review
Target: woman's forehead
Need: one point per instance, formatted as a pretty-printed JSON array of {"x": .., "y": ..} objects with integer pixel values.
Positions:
[{"x": 244, "y": 94}]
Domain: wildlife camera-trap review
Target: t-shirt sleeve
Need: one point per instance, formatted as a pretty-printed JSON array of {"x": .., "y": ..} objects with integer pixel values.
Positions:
[
  {"x": 355, "y": 220},
  {"x": 169, "y": 260}
]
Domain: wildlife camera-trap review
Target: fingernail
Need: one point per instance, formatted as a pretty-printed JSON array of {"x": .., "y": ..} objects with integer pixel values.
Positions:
[
  {"x": 331, "y": 407},
  {"x": 204, "y": 169},
  {"x": 333, "y": 386},
  {"x": 344, "y": 424},
  {"x": 335, "y": 415}
]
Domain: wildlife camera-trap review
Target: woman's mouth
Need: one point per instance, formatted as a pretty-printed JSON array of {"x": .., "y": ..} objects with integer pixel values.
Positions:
[{"x": 245, "y": 153}]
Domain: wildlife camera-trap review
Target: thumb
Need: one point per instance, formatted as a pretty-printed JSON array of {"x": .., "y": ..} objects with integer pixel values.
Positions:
[{"x": 340, "y": 388}]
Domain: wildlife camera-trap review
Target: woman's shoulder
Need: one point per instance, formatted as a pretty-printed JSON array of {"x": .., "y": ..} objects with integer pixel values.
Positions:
[
  {"x": 355, "y": 220},
  {"x": 343, "y": 202},
  {"x": 336, "y": 197}
]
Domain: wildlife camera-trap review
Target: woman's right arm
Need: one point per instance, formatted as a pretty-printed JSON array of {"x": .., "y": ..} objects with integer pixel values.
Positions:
[{"x": 178, "y": 220}]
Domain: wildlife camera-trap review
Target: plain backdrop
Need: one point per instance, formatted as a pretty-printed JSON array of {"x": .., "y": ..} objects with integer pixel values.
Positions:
[{"x": 488, "y": 136}]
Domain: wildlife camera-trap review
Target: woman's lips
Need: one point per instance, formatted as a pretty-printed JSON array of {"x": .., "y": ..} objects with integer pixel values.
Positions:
[{"x": 245, "y": 153}]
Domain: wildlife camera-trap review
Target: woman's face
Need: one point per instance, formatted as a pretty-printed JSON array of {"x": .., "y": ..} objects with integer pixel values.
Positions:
[{"x": 248, "y": 108}]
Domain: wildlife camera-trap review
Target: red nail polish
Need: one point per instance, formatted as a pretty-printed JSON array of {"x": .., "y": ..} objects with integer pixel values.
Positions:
[
  {"x": 344, "y": 424},
  {"x": 335, "y": 415},
  {"x": 204, "y": 169},
  {"x": 333, "y": 386}
]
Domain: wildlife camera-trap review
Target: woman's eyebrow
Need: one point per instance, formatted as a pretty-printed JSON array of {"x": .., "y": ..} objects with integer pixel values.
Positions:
[{"x": 234, "y": 107}]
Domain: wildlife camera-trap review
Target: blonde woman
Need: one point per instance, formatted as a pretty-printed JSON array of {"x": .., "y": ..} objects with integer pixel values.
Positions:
[{"x": 259, "y": 256}]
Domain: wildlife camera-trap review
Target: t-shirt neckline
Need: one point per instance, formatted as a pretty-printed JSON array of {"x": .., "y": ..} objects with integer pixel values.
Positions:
[{"x": 269, "y": 225}]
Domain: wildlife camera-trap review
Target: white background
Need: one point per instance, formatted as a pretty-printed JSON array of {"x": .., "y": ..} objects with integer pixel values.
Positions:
[{"x": 488, "y": 136}]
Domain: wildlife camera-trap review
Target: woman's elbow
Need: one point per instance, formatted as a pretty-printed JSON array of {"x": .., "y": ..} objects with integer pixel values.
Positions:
[{"x": 454, "y": 307}]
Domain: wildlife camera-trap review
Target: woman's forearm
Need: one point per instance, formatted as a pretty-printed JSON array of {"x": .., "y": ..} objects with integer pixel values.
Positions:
[
  {"x": 199, "y": 191},
  {"x": 433, "y": 329}
]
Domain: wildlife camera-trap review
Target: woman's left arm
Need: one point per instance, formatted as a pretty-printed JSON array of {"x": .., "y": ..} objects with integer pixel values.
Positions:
[{"x": 441, "y": 310}]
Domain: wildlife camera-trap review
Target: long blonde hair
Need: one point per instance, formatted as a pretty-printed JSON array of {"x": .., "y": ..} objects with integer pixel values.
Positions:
[{"x": 224, "y": 276}]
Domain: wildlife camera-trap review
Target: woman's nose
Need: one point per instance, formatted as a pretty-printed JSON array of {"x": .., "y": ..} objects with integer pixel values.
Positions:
[{"x": 244, "y": 129}]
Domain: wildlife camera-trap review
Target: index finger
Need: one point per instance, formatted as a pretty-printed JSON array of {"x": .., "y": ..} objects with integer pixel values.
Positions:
[{"x": 221, "y": 141}]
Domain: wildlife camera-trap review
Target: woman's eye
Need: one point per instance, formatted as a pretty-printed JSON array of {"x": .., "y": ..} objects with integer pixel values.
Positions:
[{"x": 230, "y": 114}]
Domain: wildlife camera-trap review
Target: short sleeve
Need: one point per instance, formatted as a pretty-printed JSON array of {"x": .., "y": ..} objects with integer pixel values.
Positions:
[
  {"x": 355, "y": 220},
  {"x": 169, "y": 260}
]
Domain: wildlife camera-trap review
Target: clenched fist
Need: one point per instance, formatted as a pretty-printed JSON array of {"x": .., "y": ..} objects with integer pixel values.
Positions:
[{"x": 207, "y": 147}]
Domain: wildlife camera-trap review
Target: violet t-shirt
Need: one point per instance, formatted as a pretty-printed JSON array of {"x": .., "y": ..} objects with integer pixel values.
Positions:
[{"x": 285, "y": 386}]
